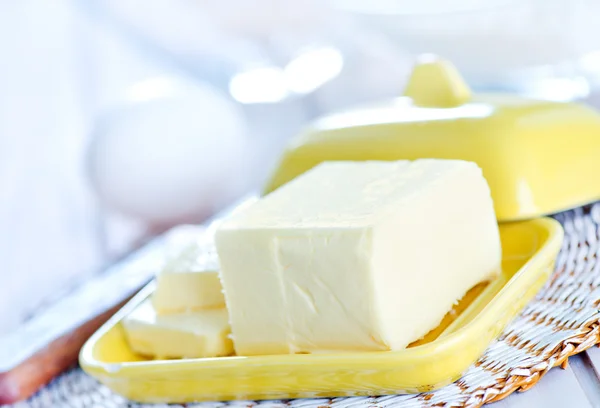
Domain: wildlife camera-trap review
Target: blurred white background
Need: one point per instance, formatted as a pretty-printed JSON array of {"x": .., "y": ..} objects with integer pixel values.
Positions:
[{"x": 119, "y": 119}]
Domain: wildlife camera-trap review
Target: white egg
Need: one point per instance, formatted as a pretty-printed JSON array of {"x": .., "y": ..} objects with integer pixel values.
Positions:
[{"x": 174, "y": 153}]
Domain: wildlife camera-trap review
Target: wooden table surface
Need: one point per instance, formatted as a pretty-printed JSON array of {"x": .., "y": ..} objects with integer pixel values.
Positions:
[{"x": 48, "y": 217}]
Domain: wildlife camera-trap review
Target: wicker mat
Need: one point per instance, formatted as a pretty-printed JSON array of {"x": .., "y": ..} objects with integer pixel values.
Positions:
[{"x": 563, "y": 320}]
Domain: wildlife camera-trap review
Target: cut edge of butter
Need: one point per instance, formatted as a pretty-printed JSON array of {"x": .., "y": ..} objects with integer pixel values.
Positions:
[
  {"x": 191, "y": 335},
  {"x": 189, "y": 281}
]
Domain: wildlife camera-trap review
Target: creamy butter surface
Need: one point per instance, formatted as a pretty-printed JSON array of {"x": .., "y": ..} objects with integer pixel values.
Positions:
[
  {"x": 190, "y": 281},
  {"x": 357, "y": 256},
  {"x": 191, "y": 335}
]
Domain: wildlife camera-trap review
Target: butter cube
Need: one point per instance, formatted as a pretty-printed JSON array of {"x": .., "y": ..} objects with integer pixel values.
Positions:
[
  {"x": 190, "y": 335},
  {"x": 357, "y": 256},
  {"x": 190, "y": 281}
]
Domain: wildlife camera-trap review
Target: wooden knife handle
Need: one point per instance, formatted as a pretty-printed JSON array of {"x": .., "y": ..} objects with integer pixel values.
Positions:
[{"x": 24, "y": 380}]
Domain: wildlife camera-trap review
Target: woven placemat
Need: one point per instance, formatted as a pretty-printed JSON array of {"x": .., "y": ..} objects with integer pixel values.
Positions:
[{"x": 563, "y": 320}]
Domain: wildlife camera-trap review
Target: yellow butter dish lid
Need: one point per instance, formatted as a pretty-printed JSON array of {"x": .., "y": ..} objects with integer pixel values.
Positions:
[{"x": 539, "y": 157}]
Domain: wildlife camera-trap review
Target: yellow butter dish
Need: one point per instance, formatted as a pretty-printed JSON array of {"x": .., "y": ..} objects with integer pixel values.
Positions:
[
  {"x": 529, "y": 250},
  {"x": 539, "y": 157}
]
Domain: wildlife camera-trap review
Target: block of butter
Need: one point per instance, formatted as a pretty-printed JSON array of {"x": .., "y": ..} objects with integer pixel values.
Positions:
[
  {"x": 191, "y": 335},
  {"x": 357, "y": 256},
  {"x": 190, "y": 281}
]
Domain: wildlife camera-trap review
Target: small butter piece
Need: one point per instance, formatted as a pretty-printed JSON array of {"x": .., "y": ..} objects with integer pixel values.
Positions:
[
  {"x": 190, "y": 281},
  {"x": 357, "y": 256},
  {"x": 191, "y": 335}
]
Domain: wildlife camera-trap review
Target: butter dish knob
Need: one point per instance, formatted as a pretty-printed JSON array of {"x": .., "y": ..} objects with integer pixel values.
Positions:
[{"x": 436, "y": 83}]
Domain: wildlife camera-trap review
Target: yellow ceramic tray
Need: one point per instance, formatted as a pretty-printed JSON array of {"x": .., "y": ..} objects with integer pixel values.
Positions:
[{"x": 529, "y": 248}]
